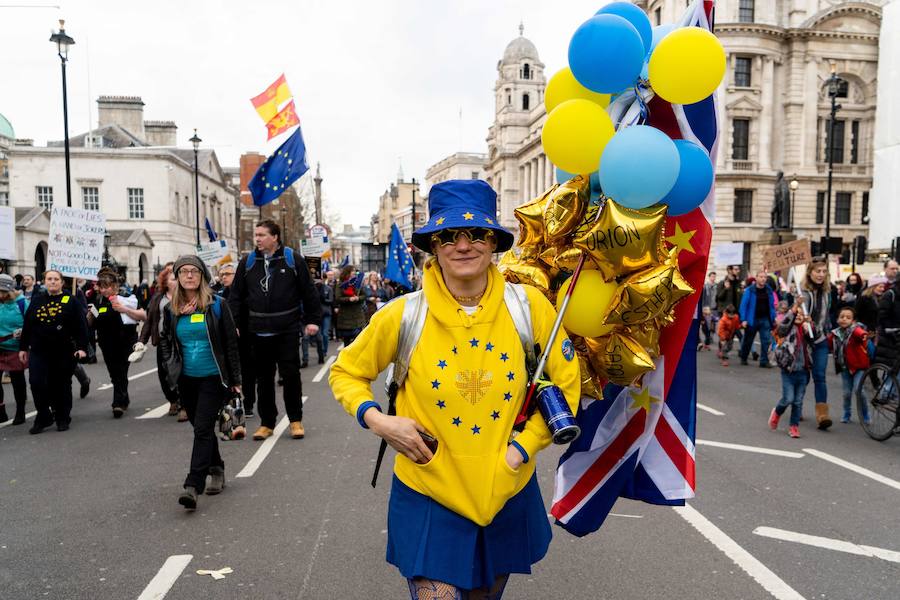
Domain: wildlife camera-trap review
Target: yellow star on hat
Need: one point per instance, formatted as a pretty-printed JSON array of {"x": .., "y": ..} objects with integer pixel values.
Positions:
[{"x": 468, "y": 216}]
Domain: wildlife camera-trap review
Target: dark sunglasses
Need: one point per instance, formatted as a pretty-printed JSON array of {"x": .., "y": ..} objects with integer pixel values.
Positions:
[{"x": 476, "y": 235}]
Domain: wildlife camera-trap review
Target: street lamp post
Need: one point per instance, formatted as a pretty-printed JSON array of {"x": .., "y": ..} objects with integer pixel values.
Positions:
[
  {"x": 196, "y": 142},
  {"x": 63, "y": 42},
  {"x": 833, "y": 87},
  {"x": 794, "y": 185}
]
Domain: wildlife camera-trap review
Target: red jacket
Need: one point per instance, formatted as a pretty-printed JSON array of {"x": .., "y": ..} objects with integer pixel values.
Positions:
[
  {"x": 856, "y": 355},
  {"x": 728, "y": 325}
]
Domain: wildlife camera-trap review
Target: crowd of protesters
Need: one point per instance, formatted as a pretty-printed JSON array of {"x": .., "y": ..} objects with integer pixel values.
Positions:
[
  {"x": 798, "y": 325},
  {"x": 218, "y": 336}
]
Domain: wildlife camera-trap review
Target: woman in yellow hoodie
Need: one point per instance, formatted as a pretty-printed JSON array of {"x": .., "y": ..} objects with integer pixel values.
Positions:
[{"x": 461, "y": 518}]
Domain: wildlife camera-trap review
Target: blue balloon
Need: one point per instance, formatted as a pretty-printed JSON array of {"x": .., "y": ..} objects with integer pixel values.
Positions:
[
  {"x": 606, "y": 54},
  {"x": 633, "y": 15},
  {"x": 659, "y": 32},
  {"x": 639, "y": 166},
  {"x": 695, "y": 178},
  {"x": 563, "y": 176}
]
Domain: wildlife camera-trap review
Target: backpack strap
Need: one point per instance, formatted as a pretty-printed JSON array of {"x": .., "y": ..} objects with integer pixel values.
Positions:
[
  {"x": 20, "y": 301},
  {"x": 412, "y": 323},
  {"x": 251, "y": 260},
  {"x": 519, "y": 308},
  {"x": 217, "y": 307},
  {"x": 289, "y": 257}
]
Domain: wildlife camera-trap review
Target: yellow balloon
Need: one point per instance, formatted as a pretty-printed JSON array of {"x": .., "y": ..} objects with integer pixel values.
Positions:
[
  {"x": 563, "y": 86},
  {"x": 587, "y": 308},
  {"x": 575, "y": 134},
  {"x": 687, "y": 65}
]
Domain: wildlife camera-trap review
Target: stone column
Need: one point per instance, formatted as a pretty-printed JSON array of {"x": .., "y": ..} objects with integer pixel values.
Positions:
[
  {"x": 542, "y": 173},
  {"x": 766, "y": 117},
  {"x": 527, "y": 182},
  {"x": 810, "y": 129}
]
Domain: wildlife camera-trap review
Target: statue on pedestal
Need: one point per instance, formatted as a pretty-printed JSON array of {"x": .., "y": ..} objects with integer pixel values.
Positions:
[{"x": 781, "y": 205}]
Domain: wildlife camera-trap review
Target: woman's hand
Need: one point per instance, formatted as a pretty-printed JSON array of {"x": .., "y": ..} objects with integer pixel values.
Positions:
[
  {"x": 402, "y": 433},
  {"x": 23, "y": 357},
  {"x": 79, "y": 354},
  {"x": 17, "y": 334},
  {"x": 189, "y": 307},
  {"x": 514, "y": 458},
  {"x": 236, "y": 389}
]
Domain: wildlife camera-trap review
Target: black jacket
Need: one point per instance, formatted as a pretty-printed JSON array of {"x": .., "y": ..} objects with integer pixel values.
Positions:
[
  {"x": 54, "y": 324},
  {"x": 222, "y": 337},
  {"x": 730, "y": 295},
  {"x": 278, "y": 303},
  {"x": 888, "y": 318}
]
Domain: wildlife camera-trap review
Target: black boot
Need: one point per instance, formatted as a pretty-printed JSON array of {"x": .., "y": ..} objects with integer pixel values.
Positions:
[
  {"x": 188, "y": 498},
  {"x": 216, "y": 481},
  {"x": 20, "y": 414},
  {"x": 3, "y": 416}
]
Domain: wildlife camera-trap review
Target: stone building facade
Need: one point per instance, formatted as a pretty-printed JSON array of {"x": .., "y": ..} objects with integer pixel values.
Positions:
[
  {"x": 395, "y": 206},
  {"x": 774, "y": 112}
]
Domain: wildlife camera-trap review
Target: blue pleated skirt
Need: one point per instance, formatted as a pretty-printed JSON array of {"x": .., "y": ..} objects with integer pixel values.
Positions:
[{"x": 428, "y": 540}]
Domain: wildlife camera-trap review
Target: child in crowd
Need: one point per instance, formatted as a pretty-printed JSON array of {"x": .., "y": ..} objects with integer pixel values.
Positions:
[
  {"x": 781, "y": 310},
  {"x": 707, "y": 327},
  {"x": 729, "y": 324},
  {"x": 848, "y": 342},
  {"x": 794, "y": 355}
]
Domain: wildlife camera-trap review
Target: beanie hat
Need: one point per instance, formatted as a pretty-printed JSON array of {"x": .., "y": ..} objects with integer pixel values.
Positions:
[{"x": 194, "y": 261}]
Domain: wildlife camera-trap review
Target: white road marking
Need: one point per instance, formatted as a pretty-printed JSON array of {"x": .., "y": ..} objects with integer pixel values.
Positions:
[
  {"x": 771, "y": 582},
  {"x": 260, "y": 455},
  {"x": 107, "y": 386},
  {"x": 27, "y": 416},
  {"x": 828, "y": 543},
  {"x": 711, "y": 411},
  {"x": 612, "y": 514},
  {"x": 324, "y": 370},
  {"x": 756, "y": 449},
  {"x": 171, "y": 570},
  {"x": 856, "y": 468},
  {"x": 155, "y": 413}
]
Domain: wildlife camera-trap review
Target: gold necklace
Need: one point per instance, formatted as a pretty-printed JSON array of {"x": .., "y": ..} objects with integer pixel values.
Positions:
[{"x": 474, "y": 298}]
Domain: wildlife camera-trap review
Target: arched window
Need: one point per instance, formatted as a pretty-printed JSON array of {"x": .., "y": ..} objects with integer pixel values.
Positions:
[
  {"x": 508, "y": 97},
  {"x": 526, "y": 71},
  {"x": 526, "y": 101}
]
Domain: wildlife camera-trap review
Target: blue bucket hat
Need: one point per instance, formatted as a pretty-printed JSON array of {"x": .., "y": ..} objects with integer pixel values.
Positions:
[{"x": 462, "y": 203}]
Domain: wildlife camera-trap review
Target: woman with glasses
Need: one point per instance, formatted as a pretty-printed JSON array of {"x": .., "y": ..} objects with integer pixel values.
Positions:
[
  {"x": 115, "y": 318},
  {"x": 54, "y": 335},
  {"x": 199, "y": 347},
  {"x": 465, "y": 508}
]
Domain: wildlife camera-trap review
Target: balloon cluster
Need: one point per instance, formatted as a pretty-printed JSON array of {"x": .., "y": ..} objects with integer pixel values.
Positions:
[
  {"x": 626, "y": 290},
  {"x": 617, "y": 181},
  {"x": 617, "y": 54}
]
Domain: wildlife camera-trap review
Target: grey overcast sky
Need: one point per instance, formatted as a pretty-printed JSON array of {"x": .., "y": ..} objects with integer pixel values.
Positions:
[{"x": 373, "y": 81}]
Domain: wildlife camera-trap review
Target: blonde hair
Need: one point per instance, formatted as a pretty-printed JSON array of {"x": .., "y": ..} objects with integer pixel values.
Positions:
[
  {"x": 815, "y": 263},
  {"x": 180, "y": 298}
]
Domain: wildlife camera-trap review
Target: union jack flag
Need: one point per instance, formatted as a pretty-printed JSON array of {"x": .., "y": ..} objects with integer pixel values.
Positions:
[{"x": 640, "y": 445}]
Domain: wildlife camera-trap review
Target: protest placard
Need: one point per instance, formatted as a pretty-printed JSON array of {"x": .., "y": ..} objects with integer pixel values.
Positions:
[
  {"x": 8, "y": 233},
  {"x": 215, "y": 254},
  {"x": 779, "y": 258},
  {"x": 729, "y": 253},
  {"x": 317, "y": 243},
  {"x": 75, "y": 247}
]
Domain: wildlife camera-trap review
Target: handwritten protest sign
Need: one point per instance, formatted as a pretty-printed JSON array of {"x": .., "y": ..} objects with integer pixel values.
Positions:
[
  {"x": 76, "y": 241},
  {"x": 779, "y": 258}
]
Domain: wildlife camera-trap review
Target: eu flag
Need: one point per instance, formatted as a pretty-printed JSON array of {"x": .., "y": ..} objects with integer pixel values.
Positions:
[
  {"x": 400, "y": 265},
  {"x": 210, "y": 231},
  {"x": 280, "y": 170}
]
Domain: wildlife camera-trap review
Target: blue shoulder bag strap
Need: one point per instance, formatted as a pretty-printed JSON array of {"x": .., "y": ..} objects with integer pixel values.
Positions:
[
  {"x": 21, "y": 302},
  {"x": 217, "y": 307}
]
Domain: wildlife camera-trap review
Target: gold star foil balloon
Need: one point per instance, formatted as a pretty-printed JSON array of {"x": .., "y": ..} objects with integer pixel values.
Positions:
[
  {"x": 531, "y": 220},
  {"x": 647, "y": 335},
  {"x": 567, "y": 260},
  {"x": 619, "y": 358},
  {"x": 564, "y": 208},
  {"x": 526, "y": 272},
  {"x": 623, "y": 240},
  {"x": 648, "y": 294},
  {"x": 590, "y": 382}
]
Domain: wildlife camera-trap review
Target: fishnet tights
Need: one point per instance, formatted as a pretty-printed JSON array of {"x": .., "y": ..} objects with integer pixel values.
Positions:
[{"x": 429, "y": 589}]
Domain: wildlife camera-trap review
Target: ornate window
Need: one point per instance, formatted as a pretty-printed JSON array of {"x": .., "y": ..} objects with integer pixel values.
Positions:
[
  {"x": 90, "y": 198},
  {"x": 45, "y": 196},
  {"x": 842, "y": 204},
  {"x": 745, "y": 11},
  {"x": 526, "y": 71},
  {"x": 743, "y": 206},
  {"x": 135, "y": 203},
  {"x": 526, "y": 102},
  {"x": 820, "y": 207},
  {"x": 837, "y": 150},
  {"x": 742, "y": 71},
  {"x": 740, "y": 139}
]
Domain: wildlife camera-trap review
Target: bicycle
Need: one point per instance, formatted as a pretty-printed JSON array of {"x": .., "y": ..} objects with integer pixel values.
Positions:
[{"x": 879, "y": 394}]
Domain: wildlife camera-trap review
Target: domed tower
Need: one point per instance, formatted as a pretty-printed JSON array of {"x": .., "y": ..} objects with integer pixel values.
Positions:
[
  {"x": 520, "y": 85},
  {"x": 519, "y": 111}
]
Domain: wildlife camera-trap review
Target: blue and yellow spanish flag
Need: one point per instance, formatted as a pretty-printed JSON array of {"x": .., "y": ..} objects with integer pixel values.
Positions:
[{"x": 280, "y": 170}]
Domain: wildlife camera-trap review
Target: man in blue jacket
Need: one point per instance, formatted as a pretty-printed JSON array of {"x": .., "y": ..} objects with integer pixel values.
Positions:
[{"x": 758, "y": 315}]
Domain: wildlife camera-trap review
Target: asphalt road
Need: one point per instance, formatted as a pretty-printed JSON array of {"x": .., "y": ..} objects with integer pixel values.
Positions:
[{"x": 91, "y": 513}]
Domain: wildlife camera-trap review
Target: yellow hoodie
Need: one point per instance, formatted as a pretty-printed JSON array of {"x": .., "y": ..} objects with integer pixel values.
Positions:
[{"x": 466, "y": 383}]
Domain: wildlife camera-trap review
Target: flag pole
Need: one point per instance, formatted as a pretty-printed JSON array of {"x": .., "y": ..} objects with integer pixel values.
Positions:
[{"x": 539, "y": 371}]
